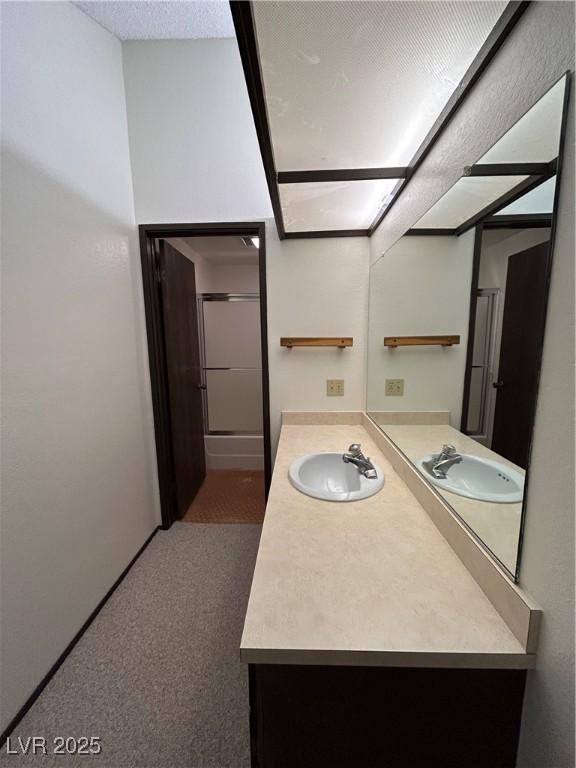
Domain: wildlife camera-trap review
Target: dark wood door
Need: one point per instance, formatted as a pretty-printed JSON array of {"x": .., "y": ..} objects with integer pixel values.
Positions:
[
  {"x": 183, "y": 367},
  {"x": 520, "y": 353}
]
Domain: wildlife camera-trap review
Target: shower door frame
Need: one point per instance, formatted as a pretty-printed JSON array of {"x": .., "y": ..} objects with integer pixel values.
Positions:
[
  {"x": 201, "y": 298},
  {"x": 156, "y": 352}
]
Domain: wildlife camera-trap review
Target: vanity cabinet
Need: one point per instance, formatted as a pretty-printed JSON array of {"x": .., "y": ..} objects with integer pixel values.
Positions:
[
  {"x": 384, "y": 717},
  {"x": 369, "y": 644}
]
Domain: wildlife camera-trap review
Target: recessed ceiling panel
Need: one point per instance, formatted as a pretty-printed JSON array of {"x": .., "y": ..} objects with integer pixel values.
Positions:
[
  {"x": 535, "y": 138},
  {"x": 539, "y": 200},
  {"x": 466, "y": 198},
  {"x": 360, "y": 84},
  {"x": 334, "y": 204}
]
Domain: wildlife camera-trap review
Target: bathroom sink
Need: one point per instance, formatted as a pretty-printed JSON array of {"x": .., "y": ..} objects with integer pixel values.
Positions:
[
  {"x": 326, "y": 476},
  {"x": 476, "y": 478}
]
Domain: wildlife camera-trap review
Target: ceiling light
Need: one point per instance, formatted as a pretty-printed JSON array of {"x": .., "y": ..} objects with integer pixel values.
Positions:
[{"x": 251, "y": 241}]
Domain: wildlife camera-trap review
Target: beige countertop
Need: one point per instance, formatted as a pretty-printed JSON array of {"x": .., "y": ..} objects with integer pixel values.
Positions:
[
  {"x": 498, "y": 525},
  {"x": 371, "y": 582}
]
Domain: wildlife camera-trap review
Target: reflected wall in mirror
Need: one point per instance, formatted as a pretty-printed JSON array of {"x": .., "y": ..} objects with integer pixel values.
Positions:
[{"x": 476, "y": 268}]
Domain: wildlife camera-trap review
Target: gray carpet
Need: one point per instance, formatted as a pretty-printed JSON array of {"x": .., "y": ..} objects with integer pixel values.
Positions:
[{"x": 157, "y": 675}]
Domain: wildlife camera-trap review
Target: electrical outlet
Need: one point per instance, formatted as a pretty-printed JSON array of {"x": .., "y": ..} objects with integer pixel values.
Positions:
[
  {"x": 394, "y": 387},
  {"x": 335, "y": 387}
]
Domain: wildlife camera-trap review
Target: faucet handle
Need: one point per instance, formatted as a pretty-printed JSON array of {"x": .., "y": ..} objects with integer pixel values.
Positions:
[
  {"x": 448, "y": 448},
  {"x": 355, "y": 449}
]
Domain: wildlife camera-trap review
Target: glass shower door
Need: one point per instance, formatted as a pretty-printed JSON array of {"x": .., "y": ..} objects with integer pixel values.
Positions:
[{"x": 232, "y": 363}]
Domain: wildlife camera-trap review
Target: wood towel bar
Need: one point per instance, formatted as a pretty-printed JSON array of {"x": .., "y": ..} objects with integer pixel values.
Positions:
[
  {"x": 316, "y": 341},
  {"x": 414, "y": 341}
]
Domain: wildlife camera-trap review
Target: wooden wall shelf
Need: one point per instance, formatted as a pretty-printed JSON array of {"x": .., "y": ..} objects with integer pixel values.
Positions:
[
  {"x": 316, "y": 341},
  {"x": 416, "y": 341}
]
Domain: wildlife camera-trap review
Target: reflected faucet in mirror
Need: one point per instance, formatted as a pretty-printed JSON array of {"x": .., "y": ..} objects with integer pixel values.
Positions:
[{"x": 446, "y": 459}]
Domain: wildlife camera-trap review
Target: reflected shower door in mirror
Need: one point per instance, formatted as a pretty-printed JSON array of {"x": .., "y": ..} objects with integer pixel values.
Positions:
[{"x": 456, "y": 329}]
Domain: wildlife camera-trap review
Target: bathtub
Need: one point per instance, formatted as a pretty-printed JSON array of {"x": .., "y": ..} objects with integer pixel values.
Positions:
[{"x": 234, "y": 451}]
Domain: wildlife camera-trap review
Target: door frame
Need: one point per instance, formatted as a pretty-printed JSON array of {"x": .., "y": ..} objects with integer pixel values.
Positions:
[{"x": 148, "y": 233}]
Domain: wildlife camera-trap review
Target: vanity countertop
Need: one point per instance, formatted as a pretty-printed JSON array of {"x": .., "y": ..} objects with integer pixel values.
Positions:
[
  {"x": 371, "y": 582},
  {"x": 498, "y": 525},
  {"x": 416, "y": 440}
]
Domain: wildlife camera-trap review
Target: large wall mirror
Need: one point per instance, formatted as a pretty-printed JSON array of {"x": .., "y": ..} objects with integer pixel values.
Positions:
[{"x": 456, "y": 329}]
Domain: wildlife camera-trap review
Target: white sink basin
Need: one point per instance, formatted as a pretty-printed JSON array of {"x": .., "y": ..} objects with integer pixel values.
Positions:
[
  {"x": 326, "y": 476},
  {"x": 477, "y": 478}
]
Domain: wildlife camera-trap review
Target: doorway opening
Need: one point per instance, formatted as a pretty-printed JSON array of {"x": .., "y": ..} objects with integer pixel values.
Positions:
[
  {"x": 507, "y": 317},
  {"x": 205, "y": 300}
]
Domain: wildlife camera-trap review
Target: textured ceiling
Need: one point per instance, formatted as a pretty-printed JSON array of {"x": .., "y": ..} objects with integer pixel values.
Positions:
[
  {"x": 466, "y": 198},
  {"x": 353, "y": 84},
  {"x": 146, "y": 20},
  {"x": 333, "y": 205},
  {"x": 360, "y": 84},
  {"x": 540, "y": 49}
]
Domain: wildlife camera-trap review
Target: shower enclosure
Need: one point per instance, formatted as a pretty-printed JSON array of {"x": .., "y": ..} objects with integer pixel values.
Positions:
[{"x": 229, "y": 328}]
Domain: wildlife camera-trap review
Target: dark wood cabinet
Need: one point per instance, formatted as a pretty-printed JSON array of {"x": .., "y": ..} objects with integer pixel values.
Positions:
[{"x": 384, "y": 717}]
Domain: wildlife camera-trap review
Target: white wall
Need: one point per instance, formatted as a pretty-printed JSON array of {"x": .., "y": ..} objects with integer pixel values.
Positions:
[
  {"x": 219, "y": 278},
  {"x": 538, "y": 51},
  {"x": 497, "y": 246},
  {"x": 420, "y": 287},
  {"x": 316, "y": 288},
  {"x": 193, "y": 144},
  {"x": 228, "y": 278},
  {"x": 547, "y": 569},
  {"x": 78, "y": 490},
  {"x": 195, "y": 157}
]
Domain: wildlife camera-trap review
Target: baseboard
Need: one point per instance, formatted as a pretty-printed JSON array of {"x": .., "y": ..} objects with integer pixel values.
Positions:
[
  {"x": 60, "y": 660},
  {"x": 246, "y": 462}
]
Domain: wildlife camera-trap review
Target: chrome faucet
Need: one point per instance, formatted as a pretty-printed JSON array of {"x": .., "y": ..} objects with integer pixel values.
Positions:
[
  {"x": 446, "y": 458},
  {"x": 362, "y": 464}
]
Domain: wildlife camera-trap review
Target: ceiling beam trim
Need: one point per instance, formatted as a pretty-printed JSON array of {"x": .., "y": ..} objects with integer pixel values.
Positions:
[
  {"x": 344, "y": 174},
  {"x": 248, "y": 46},
  {"x": 316, "y": 233},
  {"x": 494, "y": 41},
  {"x": 511, "y": 169},
  {"x": 430, "y": 232},
  {"x": 518, "y": 221}
]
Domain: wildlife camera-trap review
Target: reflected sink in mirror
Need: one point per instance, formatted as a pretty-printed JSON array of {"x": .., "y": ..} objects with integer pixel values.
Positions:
[
  {"x": 457, "y": 312},
  {"x": 477, "y": 478},
  {"x": 326, "y": 476}
]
